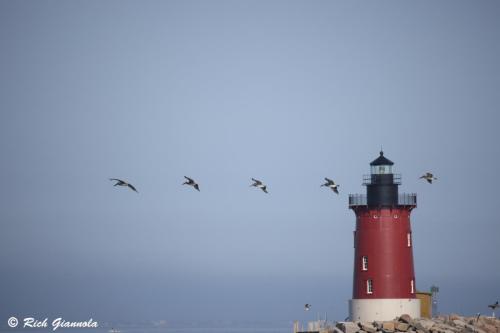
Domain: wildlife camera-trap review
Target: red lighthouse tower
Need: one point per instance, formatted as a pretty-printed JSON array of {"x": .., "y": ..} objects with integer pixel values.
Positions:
[{"x": 384, "y": 278}]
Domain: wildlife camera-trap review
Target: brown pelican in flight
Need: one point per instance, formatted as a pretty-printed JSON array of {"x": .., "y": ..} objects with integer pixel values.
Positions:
[
  {"x": 120, "y": 182},
  {"x": 192, "y": 183},
  {"x": 429, "y": 177},
  {"x": 331, "y": 184},
  {"x": 258, "y": 183},
  {"x": 494, "y": 307}
]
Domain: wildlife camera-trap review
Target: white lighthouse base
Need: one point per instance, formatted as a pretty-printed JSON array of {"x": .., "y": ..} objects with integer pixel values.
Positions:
[{"x": 381, "y": 309}]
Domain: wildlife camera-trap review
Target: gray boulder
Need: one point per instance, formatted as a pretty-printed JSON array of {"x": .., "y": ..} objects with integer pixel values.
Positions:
[
  {"x": 405, "y": 318},
  {"x": 458, "y": 323},
  {"x": 347, "y": 326},
  {"x": 367, "y": 327},
  {"x": 402, "y": 327},
  {"x": 424, "y": 324}
]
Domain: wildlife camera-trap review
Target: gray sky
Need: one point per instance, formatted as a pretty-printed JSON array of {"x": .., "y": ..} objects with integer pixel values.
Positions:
[{"x": 285, "y": 91}]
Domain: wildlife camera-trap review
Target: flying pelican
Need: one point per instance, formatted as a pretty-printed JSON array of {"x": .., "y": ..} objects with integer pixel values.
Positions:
[
  {"x": 494, "y": 307},
  {"x": 331, "y": 184},
  {"x": 120, "y": 182},
  {"x": 258, "y": 183},
  {"x": 429, "y": 177},
  {"x": 192, "y": 183},
  {"x": 307, "y": 307}
]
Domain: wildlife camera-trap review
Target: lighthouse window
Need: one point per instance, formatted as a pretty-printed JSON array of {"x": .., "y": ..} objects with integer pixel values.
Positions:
[
  {"x": 412, "y": 286},
  {"x": 369, "y": 286},
  {"x": 381, "y": 169},
  {"x": 364, "y": 263},
  {"x": 408, "y": 239}
]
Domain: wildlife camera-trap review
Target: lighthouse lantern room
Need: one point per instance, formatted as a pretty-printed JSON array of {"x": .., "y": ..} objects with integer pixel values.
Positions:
[{"x": 384, "y": 278}]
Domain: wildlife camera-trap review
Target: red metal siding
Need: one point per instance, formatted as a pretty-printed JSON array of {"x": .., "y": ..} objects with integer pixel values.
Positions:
[{"x": 381, "y": 235}]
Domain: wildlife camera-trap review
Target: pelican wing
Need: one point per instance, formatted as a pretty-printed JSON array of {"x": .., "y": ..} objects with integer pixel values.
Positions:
[{"x": 257, "y": 182}]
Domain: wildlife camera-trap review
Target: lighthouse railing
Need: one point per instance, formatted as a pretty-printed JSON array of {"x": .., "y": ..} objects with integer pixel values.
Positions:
[
  {"x": 404, "y": 199},
  {"x": 357, "y": 200},
  {"x": 407, "y": 199},
  {"x": 369, "y": 179}
]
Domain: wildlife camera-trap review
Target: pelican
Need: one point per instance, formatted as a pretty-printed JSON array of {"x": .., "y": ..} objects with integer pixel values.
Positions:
[
  {"x": 258, "y": 183},
  {"x": 331, "y": 184},
  {"x": 494, "y": 307},
  {"x": 429, "y": 177},
  {"x": 192, "y": 183},
  {"x": 120, "y": 182}
]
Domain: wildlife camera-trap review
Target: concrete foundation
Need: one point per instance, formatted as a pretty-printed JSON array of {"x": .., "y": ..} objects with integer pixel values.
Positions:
[{"x": 380, "y": 309}]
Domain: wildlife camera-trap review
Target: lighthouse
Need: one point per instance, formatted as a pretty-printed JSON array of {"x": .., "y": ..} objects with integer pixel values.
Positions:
[{"x": 384, "y": 278}]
